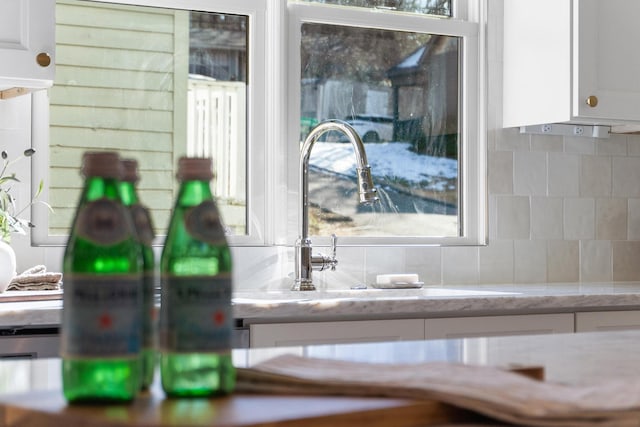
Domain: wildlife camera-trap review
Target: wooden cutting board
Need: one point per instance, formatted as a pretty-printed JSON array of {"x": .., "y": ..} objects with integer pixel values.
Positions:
[{"x": 48, "y": 408}]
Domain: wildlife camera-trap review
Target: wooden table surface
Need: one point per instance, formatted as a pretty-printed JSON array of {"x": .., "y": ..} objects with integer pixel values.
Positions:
[{"x": 48, "y": 408}]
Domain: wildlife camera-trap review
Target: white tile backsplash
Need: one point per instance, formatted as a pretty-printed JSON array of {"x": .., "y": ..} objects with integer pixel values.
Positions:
[
  {"x": 530, "y": 173},
  {"x": 625, "y": 256},
  {"x": 633, "y": 145},
  {"x": 513, "y": 216},
  {"x": 595, "y": 261},
  {"x": 611, "y": 219},
  {"x": 633, "y": 220},
  {"x": 579, "y": 218},
  {"x": 563, "y": 261},
  {"x": 546, "y": 217},
  {"x": 595, "y": 176},
  {"x": 626, "y": 177},
  {"x": 500, "y": 172},
  {"x": 615, "y": 145},
  {"x": 564, "y": 174},
  {"x": 530, "y": 261},
  {"x": 497, "y": 262},
  {"x": 456, "y": 272},
  {"x": 579, "y": 145}
]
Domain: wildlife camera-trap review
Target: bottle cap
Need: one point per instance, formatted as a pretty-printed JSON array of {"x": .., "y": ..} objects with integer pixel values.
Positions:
[
  {"x": 104, "y": 164},
  {"x": 130, "y": 170},
  {"x": 194, "y": 168}
]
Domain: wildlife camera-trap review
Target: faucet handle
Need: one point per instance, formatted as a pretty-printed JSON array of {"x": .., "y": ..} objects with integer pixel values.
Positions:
[{"x": 333, "y": 261}]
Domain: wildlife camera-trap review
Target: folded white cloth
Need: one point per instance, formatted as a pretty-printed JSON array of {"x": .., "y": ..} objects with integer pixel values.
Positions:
[
  {"x": 493, "y": 392},
  {"x": 36, "y": 279}
]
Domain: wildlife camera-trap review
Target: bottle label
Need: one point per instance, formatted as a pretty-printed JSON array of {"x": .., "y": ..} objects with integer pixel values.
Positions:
[
  {"x": 196, "y": 314},
  {"x": 143, "y": 224},
  {"x": 101, "y": 316},
  {"x": 103, "y": 222},
  {"x": 203, "y": 222}
]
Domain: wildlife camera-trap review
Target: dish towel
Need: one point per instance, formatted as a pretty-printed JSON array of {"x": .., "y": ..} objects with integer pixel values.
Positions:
[
  {"x": 36, "y": 279},
  {"x": 493, "y": 392}
]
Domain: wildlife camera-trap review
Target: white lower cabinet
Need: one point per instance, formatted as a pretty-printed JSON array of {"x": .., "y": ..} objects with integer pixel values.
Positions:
[
  {"x": 485, "y": 326},
  {"x": 293, "y": 334},
  {"x": 607, "y": 321}
]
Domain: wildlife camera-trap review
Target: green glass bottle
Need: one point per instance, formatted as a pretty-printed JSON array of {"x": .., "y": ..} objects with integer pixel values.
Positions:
[
  {"x": 144, "y": 231},
  {"x": 102, "y": 298},
  {"x": 196, "y": 319}
]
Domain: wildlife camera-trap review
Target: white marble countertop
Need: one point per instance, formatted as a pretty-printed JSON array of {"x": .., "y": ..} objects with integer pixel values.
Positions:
[{"x": 428, "y": 302}]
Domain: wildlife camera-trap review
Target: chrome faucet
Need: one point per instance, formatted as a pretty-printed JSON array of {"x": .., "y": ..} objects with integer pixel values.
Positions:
[{"x": 306, "y": 262}]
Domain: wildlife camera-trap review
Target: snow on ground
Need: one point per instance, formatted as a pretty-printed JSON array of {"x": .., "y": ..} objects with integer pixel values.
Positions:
[{"x": 391, "y": 159}]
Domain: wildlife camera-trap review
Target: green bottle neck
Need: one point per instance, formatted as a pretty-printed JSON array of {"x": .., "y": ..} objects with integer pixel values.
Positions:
[
  {"x": 128, "y": 193},
  {"x": 192, "y": 193},
  {"x": 97, "y": 187}
]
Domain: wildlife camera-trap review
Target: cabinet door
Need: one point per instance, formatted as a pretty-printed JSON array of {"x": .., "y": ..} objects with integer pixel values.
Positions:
[
  {"x": 608, "y": 65},
  {"x": 484, "y": 326},
  {"x": 27, "y": 29},
  {"x": 293, "y": 334},
  {"x": 607, "y": 321}
]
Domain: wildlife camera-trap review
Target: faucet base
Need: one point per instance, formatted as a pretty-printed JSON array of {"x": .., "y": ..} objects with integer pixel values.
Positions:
[{"x": 300, "y": 285}]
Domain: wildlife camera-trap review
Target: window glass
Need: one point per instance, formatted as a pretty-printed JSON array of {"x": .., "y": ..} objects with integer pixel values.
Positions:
[
  {"x": 153, "y": 84},
  {"x": 429, "y": 7},
  {"x": 400, "y": 91}
]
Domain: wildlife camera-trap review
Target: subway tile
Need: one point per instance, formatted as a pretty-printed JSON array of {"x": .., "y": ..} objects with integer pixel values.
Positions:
[
  {"x": 268, "y": 268},
  {"x": 350, "y": 271},
  {"x": 510, "y": 139},
  {"x": 426, "y": 262},
  {"x": 563, "y": 261},
  {"x": 579, "y": 218},
  {"x": 547, "y": 143},
  {"x": 564, "y": 174},
  {"x": 382, "y": 260},
  {"x": 626, "y": 176},
  {"x": 595, "y": 261},
  {"x": 546, "y": 218},
  {"x": 496, "y": 262},
  {"x": 615, "y": 145},
  {"x": 633, "y": 220},
  {"x": 530, "y": 261},
  {"x": 530, "y": 173},
  {"x": 460, "y": 265},
  {"x": 492, "y": 221},
  {"x": 579, "y": 145},
  {"x": 611, "y": 219},
  {"x": 595, "y": 176},
  {"x": 513, "y": 217},
  {"x": 626, "y": 265},
  {"x": 500, "y": 166},
  {"x": 633, "y": 145}
]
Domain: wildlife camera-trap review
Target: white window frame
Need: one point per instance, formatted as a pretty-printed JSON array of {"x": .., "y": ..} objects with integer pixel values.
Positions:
[
  {"x": 273, "y": 116},
  {"x": 257, "y": 191},
  {"x": 468, "y": 23}
]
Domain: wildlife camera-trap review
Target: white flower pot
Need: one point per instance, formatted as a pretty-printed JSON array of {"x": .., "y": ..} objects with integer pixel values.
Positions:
[{"x": 7, "y": 265}]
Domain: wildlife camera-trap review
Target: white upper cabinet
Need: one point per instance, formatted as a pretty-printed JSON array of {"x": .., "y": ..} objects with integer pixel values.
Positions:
[
  {"x": 27, "y": 44},
  {"x": 571, "y": 61}
]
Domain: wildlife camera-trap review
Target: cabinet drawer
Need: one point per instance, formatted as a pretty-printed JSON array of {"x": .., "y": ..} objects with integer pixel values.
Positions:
[
  {"x": 483, "y": 326},
  {"x": 292, "y": 334}
]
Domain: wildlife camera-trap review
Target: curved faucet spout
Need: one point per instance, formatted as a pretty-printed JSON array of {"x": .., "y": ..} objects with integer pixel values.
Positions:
[{"x": 305, "y": 261}]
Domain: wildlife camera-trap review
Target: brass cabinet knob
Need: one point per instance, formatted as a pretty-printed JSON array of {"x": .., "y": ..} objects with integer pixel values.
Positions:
[
  {"x": 592, "y": 101},
  {"x": 43, "y": 59}
]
